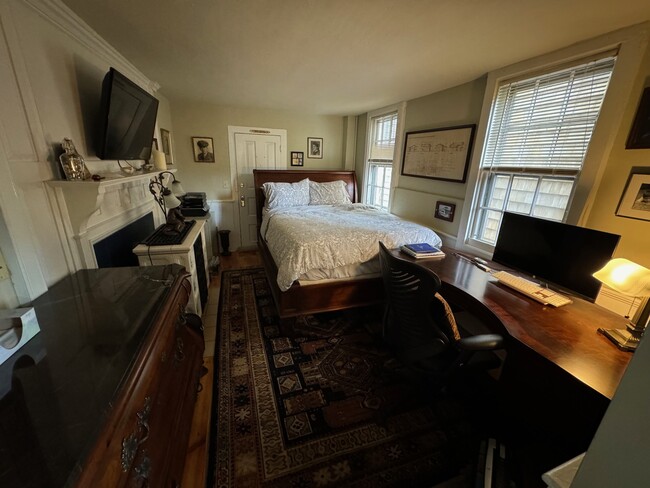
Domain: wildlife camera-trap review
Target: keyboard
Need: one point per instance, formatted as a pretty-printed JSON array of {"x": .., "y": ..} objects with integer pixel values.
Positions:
[
  {"x": 163, "y": 237},
  {"x": 531, "y": 289}
]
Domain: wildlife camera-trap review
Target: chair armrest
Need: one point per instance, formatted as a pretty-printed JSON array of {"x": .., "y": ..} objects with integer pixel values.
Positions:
[{"x": 481, "y": 342}]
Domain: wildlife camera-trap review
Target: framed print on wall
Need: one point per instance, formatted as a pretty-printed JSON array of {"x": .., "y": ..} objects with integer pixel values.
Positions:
[
  {"x": 639, "y": 137},
  {"x": 203, "y": 148},
  {"x": 315, "y": 147},
  {"x": 166, "y": 142},
  {"x": 438, "y": 154},
  {"x": 445, "y": 211},
  {"x": 297, "y": 158},
  {"x": 635, "y": 201}
]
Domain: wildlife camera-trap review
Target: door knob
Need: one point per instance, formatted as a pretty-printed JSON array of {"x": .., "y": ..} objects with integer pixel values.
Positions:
[{"x": 242, "y": 201}]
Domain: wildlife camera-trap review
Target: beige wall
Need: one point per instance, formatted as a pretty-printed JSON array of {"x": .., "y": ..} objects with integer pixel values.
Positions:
[
  {"x": 198, "y": 119},
  {"x": 635, "y": 241},
  {"x": 415, "y": 198}
]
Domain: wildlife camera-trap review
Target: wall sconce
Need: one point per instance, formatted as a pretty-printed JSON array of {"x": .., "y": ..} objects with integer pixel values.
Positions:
[
  {"x": 168, "y": 201},
  {"x": 633, "y": 280}
]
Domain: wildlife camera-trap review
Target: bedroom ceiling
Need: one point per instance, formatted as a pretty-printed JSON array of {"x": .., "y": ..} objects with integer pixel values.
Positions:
[{"x": 341, "y": 57}]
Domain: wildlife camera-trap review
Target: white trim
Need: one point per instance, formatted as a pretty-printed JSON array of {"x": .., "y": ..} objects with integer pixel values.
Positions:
[
  {"x": 631, "y": 42},
  {"x": 400, "y": 108}
]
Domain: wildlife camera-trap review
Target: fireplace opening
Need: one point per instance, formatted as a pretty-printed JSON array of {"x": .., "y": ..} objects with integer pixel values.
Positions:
[{"x": 116, "y": 250}]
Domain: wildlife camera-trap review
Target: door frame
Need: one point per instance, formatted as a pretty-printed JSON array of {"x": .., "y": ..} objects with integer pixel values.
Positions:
[{"x": 234, "y": 177}]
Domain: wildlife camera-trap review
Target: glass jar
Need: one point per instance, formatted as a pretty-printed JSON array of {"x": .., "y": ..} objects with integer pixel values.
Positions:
[{"x": 73, "y": 164}]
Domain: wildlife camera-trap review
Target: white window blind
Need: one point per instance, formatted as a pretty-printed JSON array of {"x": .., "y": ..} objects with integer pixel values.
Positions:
[
  {"x": 537, "y": 138},
  {"x": 384, "y": 131}
]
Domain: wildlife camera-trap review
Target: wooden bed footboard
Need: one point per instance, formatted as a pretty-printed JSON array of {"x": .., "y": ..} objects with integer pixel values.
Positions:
[{"x": 319, "y": 297}]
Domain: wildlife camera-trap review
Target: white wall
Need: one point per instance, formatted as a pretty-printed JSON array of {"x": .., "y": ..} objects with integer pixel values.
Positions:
[{"x": 50, "y": 86}]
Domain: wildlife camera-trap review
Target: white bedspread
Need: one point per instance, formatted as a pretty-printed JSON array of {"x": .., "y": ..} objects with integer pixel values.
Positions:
[{"x": 311, "y": 237}]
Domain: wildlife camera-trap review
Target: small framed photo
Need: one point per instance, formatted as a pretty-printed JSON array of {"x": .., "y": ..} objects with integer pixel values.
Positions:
[
  {"x": 297, "y": 158},
  {"x": 203, "y": 149},
  {"x": 639, "y": 137},
  {"x": 635, "y": 201},
  {"x": 166, "y": 142},
  {"x": 315, "y": 147},
  {"x": 445, "y": 211}
]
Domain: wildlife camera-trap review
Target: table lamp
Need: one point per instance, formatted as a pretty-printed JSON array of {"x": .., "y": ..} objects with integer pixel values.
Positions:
[
  {"x": 168, "y": 203},
  {"x": 630, "y": 279}
]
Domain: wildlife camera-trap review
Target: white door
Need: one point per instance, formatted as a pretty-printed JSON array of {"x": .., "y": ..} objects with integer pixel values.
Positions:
[{"x": 261, "y": 151}]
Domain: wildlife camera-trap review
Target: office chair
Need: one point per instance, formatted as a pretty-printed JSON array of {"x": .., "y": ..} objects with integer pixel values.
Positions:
[{"x": 420, "y": 327}]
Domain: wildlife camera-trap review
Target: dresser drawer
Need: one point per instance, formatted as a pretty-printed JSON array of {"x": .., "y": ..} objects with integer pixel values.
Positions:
[{"x": 138, "y": 439}]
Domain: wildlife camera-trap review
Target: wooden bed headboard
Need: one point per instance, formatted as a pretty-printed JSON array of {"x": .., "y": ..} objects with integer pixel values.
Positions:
[{"x": 261, "y": 176}]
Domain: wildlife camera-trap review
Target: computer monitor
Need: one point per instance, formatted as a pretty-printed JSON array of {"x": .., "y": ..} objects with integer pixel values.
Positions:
[{"x": 562, "y": 255}]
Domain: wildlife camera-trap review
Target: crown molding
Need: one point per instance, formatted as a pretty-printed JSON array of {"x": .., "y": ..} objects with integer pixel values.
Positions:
[{"x": 59, "y": 14}]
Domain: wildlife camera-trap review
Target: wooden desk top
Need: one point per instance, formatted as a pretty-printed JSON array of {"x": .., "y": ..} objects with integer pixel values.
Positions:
[{"x": 566, "y": 336}]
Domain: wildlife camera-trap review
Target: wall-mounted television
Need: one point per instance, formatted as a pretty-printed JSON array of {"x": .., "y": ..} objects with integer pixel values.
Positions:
[
  {"x": 127, "y": 119},
  {"x": 560, "y": 254}
]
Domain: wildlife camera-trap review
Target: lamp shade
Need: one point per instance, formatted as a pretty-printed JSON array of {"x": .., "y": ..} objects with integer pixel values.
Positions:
[
  {"x": 177, "y": 189},
  {"x": 625, "y": 277},
  {"x": 170, "y": 199}
]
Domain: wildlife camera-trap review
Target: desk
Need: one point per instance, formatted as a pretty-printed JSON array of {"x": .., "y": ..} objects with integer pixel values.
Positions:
[{"x": 565, "y": 336}]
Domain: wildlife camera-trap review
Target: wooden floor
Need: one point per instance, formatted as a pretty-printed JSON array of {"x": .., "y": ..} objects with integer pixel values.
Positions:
[{"x": 196, "y": 462}]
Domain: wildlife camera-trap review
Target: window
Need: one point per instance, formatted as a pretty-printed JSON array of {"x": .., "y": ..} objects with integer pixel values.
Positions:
[
  {"x": 536, "y": 141},
  {"x": 379, "y": 169}
]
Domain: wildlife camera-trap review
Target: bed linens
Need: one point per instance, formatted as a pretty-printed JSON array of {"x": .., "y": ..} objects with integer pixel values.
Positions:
[{"x": 312, "y": 237}]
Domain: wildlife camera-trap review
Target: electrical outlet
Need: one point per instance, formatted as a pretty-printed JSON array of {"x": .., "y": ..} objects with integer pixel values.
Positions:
[{"x": 4, "y": 271}]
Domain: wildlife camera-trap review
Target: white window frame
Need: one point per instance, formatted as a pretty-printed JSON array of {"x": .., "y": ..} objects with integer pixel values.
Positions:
[
  {"x": 631, "y": 44},
  {"x": 400, "y": 108}
]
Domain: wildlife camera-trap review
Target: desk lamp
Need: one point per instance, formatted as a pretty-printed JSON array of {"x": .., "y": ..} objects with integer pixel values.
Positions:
[
  {"x": 630, "y": 279},
  {"x": 176, "y": 187},
  {"x": 168, "y": 203}
]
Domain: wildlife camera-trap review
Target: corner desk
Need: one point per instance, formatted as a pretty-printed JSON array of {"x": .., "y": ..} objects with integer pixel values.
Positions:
[{"x": 559, "y": 373}]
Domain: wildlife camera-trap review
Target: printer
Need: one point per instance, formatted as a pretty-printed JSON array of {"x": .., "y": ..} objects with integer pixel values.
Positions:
[{"x": 194, "y": 204}]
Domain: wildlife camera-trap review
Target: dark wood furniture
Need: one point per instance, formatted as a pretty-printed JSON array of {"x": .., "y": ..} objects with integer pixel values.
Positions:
[
  {"x": 559, "y": 373},
  {"x": 104, "y": 394},
  {"x": 320, "y": 297}
]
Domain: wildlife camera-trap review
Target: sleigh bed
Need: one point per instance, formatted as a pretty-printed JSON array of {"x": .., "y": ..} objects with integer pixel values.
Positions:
[{"x": 326, "y": 253}]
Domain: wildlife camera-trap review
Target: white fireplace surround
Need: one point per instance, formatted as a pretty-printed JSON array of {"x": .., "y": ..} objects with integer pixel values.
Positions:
[{"x": 88, "y": 211}]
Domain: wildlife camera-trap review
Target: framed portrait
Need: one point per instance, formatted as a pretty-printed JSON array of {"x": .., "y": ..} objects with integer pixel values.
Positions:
[
  {"x": 635, "y": 201},
  {"x": 445, "y": 211},
  {"x": 166, "y": 143},
  {"x": 297, "y": 158},
  {"x": 639, "y": 137},
  {"x": 315, "y": 147},
  {"x": 203, "y": 148},
  {"x": 438, "y": 154}
]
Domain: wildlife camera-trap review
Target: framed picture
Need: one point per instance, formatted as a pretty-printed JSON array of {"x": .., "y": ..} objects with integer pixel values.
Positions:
[
  {"x": 439, "y": 154},
  {"x": 166, "y": 142},
  {"x": 203, "y": 149},
  {"x": 297, "y": 158},
  {"x": 639, "y": 137},
  {"x": 635, "y": 201},
  {"x": 315, "y": 147},
  {"x": 445, "y": 211}
]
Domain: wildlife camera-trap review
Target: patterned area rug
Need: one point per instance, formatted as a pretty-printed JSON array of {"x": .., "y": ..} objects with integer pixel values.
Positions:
[{"x": 325, "y": 407}]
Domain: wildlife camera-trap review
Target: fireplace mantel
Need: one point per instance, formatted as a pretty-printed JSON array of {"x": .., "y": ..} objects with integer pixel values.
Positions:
[{"x": 88, "y": 211}]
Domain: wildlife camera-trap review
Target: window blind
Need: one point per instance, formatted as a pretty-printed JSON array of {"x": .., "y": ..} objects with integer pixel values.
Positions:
[
  {"x": 545, "y": 122},
  {"x": 383, "y": 137}
]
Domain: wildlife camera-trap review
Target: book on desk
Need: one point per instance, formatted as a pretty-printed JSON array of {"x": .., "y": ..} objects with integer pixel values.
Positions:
[{"x": 422, "y": 250}]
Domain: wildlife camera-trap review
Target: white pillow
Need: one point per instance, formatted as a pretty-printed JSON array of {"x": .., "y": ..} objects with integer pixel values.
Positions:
[
  {"x": 329, "y": 193},
  {"x": 280, "y": 194}
]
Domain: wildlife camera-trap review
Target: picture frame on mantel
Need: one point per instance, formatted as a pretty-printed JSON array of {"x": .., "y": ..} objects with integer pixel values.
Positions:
[{"x": 166, "y": 143}]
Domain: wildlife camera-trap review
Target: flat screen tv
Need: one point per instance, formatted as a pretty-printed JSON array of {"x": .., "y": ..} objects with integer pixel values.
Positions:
[
  {"x": 562, "y": 255},
  {"x": 127, "y": 119}
]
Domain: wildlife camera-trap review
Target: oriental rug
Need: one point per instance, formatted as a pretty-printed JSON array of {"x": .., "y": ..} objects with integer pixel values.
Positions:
[{"x": 324, "y": 407}]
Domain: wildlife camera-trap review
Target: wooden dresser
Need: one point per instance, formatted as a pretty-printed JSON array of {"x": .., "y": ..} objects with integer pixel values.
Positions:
[{"x": 104, "y": 395}]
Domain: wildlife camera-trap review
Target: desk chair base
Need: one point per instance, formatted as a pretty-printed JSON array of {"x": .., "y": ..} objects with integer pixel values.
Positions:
[{"x": 624, "y": 339}]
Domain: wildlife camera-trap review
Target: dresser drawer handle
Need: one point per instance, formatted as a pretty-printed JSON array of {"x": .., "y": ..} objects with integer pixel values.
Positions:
[
  {"x": 131, "y": 443},
  {"x": 180, "y": 354}
]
